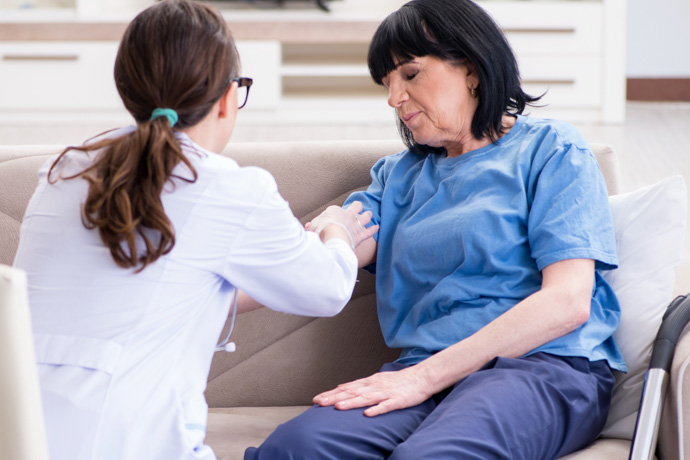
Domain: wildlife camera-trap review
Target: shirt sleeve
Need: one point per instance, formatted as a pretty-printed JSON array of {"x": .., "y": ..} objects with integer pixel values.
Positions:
[
  {"x": 570, "y": 216},
  {"x": 372, "y": 196},
  {"x": 276, "y": 262},
  {"x": 371, "y": 199}
]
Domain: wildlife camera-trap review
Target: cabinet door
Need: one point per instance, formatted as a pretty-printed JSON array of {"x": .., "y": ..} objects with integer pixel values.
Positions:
[
  {"x": 78, "y": 76},
  {"x": 573, "y": 82},
  {"x": 552, "y": 28},
  {"x": 61, "y": 76}
]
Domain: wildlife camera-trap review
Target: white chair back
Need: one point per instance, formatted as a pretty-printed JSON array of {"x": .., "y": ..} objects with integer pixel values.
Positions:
[{"x": 22, "y": 430}]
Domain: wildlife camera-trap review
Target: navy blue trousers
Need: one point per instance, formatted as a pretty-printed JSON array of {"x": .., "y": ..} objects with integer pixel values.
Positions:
[{"x": 539, "y": 407}]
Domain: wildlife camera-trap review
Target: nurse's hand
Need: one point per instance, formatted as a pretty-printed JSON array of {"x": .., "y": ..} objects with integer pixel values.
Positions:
[
  {"x": 384, "y": 392},
  {"x": 351, "y": 219}
]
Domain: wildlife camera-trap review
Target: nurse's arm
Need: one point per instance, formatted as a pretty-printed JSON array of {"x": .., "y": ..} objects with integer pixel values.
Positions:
[
  {"x": 559, "y": 307},
  {"x": 246, "y": 303}
]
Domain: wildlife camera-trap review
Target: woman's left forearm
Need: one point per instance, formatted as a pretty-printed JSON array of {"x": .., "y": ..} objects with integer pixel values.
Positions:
[{"x": 560, "y": 307}]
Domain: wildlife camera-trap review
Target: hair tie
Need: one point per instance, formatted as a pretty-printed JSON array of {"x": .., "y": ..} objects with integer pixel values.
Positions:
[{"x": 169, "y": 113}]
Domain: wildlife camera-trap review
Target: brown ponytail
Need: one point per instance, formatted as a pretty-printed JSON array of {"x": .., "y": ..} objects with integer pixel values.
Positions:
[{"x": 176, "y": 54}]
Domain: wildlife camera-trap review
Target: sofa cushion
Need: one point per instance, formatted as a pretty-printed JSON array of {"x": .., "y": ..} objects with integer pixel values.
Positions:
[
  {"x": 284, "y": 360},
  {"x": 19, "y": 177},
  {"x": 650, "y": 229},
  {"x": 609, "y": 449},
  {"x": 231, "y": 430}
]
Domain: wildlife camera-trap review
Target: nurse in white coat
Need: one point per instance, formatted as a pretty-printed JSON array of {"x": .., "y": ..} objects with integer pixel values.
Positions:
[{"x": 135, "y": 242}]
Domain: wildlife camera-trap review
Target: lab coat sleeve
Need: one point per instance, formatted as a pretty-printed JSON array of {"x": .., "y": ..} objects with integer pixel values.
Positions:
[{"x": 285, "y": 268}]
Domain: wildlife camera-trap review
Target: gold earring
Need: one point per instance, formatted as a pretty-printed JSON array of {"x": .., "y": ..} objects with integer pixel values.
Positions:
[{"x": 473, "y": 92}]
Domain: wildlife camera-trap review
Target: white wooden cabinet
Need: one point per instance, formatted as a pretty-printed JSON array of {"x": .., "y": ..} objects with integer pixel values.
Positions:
[
  {"x": 57, "y": 76},
  {"x": 74, "y": 82},
  {"x": 573, "y": 50}
]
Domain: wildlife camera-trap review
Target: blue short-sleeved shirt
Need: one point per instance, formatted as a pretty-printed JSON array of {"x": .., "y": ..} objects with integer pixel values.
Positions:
[{"x": 464, "y": 239}]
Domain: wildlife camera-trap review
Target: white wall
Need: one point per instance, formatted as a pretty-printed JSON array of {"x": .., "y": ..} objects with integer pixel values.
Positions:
[{"x": 658, "y": 39}]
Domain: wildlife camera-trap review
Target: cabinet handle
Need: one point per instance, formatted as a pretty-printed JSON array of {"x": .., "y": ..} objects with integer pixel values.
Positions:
[
  {"x": 516, "y": 30},
  {"x": 553, "y": 81},
  {"x": 40, "y": 57}
]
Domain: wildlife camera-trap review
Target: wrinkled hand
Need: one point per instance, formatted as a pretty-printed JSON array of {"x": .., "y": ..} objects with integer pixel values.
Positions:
[
  {"x": 350, "y": 219},
  {"x": 384, "y": 391}
]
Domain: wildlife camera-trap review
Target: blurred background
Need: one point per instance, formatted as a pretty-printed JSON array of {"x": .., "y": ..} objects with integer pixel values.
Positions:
[{"x": 619, "y": 70}]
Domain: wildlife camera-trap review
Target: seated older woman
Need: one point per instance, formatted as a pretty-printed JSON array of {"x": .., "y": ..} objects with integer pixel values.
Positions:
[{"x": 493, "y": 230}]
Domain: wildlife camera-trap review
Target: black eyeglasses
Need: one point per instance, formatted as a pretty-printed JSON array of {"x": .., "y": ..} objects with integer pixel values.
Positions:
[{"x": 243, "y": 85}]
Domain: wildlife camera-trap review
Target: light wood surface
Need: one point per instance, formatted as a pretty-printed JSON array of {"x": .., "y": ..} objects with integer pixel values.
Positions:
[{"x": 285, "y": 31}]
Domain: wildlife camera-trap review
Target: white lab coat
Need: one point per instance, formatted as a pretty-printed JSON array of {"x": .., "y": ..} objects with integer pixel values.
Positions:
[{"x": 123, "y": 358}]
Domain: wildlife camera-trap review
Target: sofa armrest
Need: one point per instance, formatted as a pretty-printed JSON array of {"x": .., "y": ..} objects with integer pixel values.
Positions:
[{"x": 609, "y": 165}]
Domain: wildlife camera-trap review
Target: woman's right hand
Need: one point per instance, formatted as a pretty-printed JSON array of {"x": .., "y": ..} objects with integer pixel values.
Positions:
[
  {"x": 351, "y": 219},
  {"x": 383, "y": 392}
]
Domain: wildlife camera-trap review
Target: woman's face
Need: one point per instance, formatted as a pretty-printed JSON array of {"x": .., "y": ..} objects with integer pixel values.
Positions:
[{"x": 432, "y": 97}]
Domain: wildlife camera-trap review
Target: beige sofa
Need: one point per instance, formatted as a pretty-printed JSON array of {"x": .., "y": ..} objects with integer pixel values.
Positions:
[{"x": 283, "y": 360}]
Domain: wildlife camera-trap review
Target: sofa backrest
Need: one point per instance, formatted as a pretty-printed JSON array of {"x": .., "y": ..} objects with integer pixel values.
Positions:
[{"x": 281, "y": 359}]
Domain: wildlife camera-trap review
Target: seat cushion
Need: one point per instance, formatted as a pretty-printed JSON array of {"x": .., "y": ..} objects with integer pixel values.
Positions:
[
  {"x": 608, "y": 449},
  {"x": 232, "y": 429}
]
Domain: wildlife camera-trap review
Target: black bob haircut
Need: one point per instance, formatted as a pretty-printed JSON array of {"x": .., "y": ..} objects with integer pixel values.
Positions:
[{"x": 459, "y": 32}]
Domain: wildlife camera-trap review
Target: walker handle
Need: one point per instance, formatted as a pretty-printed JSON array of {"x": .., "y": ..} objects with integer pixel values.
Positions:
[
  {"x": 657, "y": 379},
  {"x": 675, "y": 319}
]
